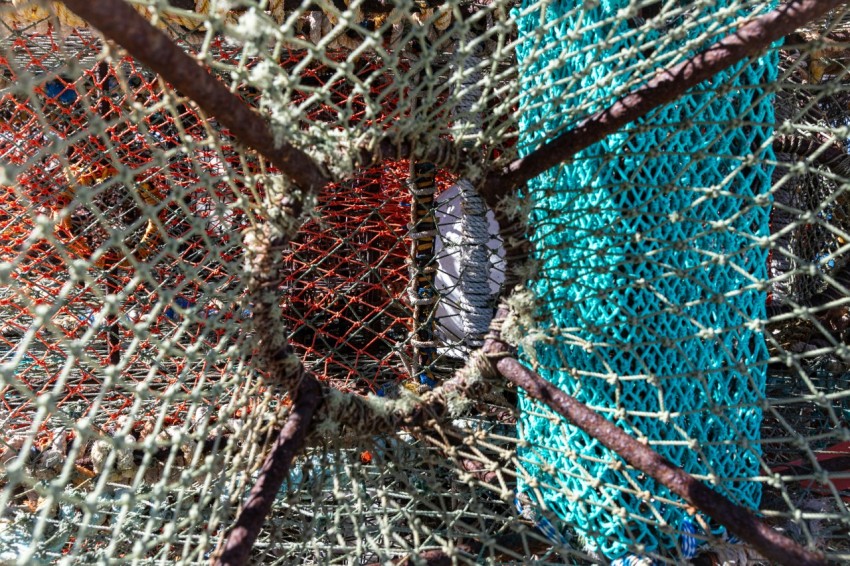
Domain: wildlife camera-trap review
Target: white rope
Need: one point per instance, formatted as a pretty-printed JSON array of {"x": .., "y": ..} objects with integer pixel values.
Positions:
[
  {"x": 475, "y": 297},
  {"x": 468, "y": 276},
  {"x": 474, "y": 284}
]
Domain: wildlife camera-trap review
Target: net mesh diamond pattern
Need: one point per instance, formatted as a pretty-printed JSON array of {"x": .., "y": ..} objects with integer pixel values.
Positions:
[{"x": 686, "y": 278}]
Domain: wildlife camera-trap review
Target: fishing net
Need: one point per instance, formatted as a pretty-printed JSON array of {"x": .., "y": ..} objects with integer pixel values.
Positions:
[{"x": 685, "y": 277}]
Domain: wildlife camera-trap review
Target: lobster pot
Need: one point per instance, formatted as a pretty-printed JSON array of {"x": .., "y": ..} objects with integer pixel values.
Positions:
[
  {"x": 200, "y": 199},
  {"x": 649, "y": 252}
]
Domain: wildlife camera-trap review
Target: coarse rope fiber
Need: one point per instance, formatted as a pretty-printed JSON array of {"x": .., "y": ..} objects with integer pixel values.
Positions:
[{"x": 159, "y": 299}]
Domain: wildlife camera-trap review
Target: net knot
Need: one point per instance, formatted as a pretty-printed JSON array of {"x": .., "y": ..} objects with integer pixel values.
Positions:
[
  {"x": 484, "y": 363},
  {"x": 494, "y": 330}
]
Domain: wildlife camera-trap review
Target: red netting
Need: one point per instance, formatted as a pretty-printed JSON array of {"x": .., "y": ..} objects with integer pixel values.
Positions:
[{"x": 158, "y": 211}]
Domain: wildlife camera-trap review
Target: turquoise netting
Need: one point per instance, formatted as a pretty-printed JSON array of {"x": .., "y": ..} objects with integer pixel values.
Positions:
[
  {"x": 140, "y": 354},
  {"x": 649, "y": 252}
]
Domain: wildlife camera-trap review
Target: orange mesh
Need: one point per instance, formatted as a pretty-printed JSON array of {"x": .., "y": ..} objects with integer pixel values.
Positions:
[{"x": 348, "y": 265}]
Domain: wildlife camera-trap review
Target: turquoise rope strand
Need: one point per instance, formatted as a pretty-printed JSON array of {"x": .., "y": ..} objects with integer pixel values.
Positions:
[{"x": 629, "y": 267}]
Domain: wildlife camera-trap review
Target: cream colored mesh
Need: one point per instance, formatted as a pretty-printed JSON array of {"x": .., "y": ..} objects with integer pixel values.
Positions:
[{"x": 137, "y": 408}]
